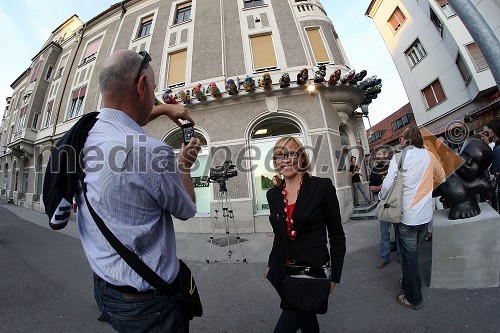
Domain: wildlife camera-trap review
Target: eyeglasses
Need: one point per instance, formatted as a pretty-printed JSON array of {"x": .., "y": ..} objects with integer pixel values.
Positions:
[
  {"x": 293, "y": 155},
  {"x": 144, "y": 63}
]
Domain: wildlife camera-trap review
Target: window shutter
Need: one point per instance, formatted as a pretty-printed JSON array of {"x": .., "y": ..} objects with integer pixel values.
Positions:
[
  {"x": 74, "y": 95},
  {"x": 263, "y": 51},
  {"x": 177, "y": 68},
  {"x": 318, "y": 46},
  {"x": 399, "y": 14},
  {"x": 438, "y": 91},
  {"x": 83, "y": 91},
  {"x": 92, "y": 47},
  {"x": 393, "y": 22},
  {"x": 477, "y": 57},
  {"x": 429, "y": 97},
  {"x": 442, "y": 2},
  {"x": 49, "y": 106}
]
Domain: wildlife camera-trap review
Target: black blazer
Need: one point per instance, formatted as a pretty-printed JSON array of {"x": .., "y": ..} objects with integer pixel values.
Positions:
[{"x": 316, "y": 211}]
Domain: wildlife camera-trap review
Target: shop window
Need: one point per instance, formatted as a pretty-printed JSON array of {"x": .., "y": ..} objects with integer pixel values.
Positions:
[
  {"x": 433, "y": 94},
  {"x": 145, "y": 26},
  {"x": 397, "y": 19},
  {"x": 183, "y": 13},
  {"x": 318, "y": 46},
  {"x": 477, "y": 57},
  {"x": 264, "y": 57},
  {"x": 199, "y": 172},
  {"x": 176, "y": 68},
  {"x": 415, "y": 53},
  {"x": 263, "y": 138}
]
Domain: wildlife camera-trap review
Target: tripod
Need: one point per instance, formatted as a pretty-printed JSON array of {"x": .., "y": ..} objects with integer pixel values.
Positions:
[{"x": 224, "y": 205}]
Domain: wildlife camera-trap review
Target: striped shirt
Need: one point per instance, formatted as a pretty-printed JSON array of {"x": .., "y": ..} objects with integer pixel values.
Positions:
[{"x": 134, "y": 186}]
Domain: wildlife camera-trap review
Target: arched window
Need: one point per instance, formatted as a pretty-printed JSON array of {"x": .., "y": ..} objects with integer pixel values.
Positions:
[
  {"x": 39, "y": 175},
  {"x": 200, "y": 170},
  {"x": 263, "y": 137}
]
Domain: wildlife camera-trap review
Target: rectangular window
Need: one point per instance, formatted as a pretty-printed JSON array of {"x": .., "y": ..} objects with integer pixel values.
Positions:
[
  {"x": 145, "y": 26},
  {"x": 77, "y": 98},
  {"x": 446, "y": 8},
  {"x": 177, "y": 68},
  {"x": 415, "y": 53},
  {"x": 91, "y": 51},
  {"x": 477, "y": 57},
  {"x": 183, "y": 13},
  {"x": 433, "y": 94},
  {"x": 34, "y": 125},
  {"x": 318, "y": 46},
  {"x": 49, "y": 73},
  {"x": 253, "y": 3},
  {"x": 397, "y": 19},
  {"x": 61, "y": 66},
  {"x": 48, "y": 114},
  {"x": 35, "y": 71},
  {"x": 437, "y": 22},
  {"x": 22, "y": 119},
  {"x": 263, "y": 53},
  {"x": 462, "y": 67}
]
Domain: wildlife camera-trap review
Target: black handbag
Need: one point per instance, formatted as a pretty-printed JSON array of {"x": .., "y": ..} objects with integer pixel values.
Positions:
[
  {"x": 182, "y": 290},
  {"x": 306, "y": 289}
]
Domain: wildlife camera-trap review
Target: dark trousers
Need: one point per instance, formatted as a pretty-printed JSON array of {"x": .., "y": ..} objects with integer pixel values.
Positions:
[
  {"x": 408, "y": 238},
  {"x": 291, "y": 321},
  {"x": 152, "y": 312}
]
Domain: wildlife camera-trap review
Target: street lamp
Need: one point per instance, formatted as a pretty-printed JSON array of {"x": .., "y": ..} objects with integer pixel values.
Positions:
[{"x": 364, "y": 109}]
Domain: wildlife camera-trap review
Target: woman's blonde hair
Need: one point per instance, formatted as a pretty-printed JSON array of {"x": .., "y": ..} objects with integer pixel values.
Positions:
[{"x": 282, "y": 142}]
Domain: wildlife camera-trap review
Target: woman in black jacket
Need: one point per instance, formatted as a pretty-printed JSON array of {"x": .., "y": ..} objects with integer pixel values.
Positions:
[{"x": 303, "y": 208}]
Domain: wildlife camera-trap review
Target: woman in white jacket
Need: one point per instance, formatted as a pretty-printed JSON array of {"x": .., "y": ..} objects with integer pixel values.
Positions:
[{"x": 421, "y": 170}]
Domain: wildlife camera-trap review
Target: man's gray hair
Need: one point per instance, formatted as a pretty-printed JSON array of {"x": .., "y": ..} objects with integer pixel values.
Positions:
[{"x": 117, "y": 77}]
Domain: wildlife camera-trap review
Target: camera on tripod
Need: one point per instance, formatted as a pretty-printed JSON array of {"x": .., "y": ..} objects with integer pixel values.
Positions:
[{"x": 223, "y": 172}]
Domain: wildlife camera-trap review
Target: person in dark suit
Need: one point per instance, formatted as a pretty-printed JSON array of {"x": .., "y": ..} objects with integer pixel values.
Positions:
[{"x": 305, "y": 210}]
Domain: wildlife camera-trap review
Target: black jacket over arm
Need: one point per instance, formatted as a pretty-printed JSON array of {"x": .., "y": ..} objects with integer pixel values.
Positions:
[{"x": 316, "y": 211}]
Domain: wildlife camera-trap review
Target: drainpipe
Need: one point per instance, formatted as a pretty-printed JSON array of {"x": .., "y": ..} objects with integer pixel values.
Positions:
[{"x": 66, "y": 83}]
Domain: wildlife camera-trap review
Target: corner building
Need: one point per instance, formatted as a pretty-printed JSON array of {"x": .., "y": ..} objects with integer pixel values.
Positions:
[{"x": 197, "y": 42}]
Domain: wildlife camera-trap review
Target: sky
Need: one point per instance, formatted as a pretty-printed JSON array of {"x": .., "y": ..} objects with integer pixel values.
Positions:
[{"x": 27, "y": 24}]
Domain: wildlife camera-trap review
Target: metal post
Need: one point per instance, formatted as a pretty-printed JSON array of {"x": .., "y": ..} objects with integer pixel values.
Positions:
[{"x": 482, "y": 34}]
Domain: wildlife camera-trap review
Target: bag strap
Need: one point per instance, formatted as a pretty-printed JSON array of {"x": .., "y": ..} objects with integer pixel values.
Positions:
[{"x": 128, "y": 256}]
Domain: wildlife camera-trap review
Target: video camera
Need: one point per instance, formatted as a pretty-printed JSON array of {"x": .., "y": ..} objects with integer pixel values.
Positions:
[{"x": 223, "y": 172}]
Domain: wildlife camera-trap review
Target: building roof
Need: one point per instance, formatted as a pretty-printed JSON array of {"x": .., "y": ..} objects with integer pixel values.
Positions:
[{"x": 389, "y": 136}]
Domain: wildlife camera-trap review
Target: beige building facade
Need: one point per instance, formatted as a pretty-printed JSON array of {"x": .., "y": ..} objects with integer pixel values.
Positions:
[{"x": 196, "y": 42}]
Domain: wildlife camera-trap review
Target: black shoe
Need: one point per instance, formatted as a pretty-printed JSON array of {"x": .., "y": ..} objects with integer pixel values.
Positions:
[
  {"x": 394, "y": 248},
  {"x": 101, "y": 318}
]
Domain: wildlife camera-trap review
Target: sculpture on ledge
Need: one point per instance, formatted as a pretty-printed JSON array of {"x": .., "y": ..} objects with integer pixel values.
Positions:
[
  {"x": 285, "y": 80},
  {"x": 302, "y": 76},
  {"x": 199, "y": 92},
  {"x": 334, "y": 77},
  {"x": 319, "y": 75},
  {"x": 461, "y": 188},
  {"x": 249, "y": 84}
]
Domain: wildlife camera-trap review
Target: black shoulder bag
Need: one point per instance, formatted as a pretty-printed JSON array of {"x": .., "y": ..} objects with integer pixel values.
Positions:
[
  {"x": 305, "y": 288},
  {"x": 182, "y": 291}
]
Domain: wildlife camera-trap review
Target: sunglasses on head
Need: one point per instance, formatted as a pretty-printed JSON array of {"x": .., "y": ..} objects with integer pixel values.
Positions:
[{"x": 144, "y": 63}]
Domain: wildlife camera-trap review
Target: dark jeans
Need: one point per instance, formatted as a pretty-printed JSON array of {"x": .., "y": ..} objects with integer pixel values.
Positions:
[
  {"x": 408, "y": 238},
  {"x": 291, "y": 321},
  {"x": 154, "y": 313}
]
